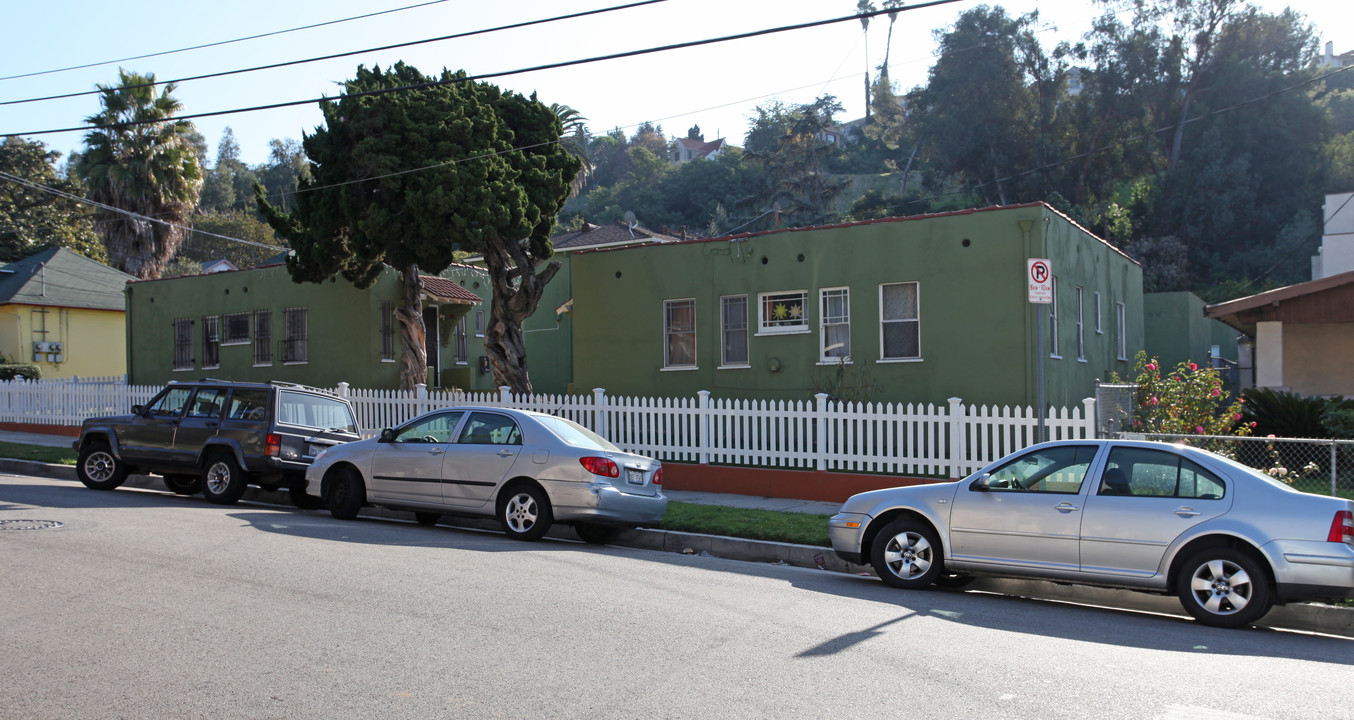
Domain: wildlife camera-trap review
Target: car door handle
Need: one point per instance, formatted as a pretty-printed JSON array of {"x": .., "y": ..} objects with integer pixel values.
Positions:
[
  {"x": 506, "y": 453},
  {"x": 436, "y": 451},
  {"x": 1186, "y": 512},
  {"x": 1065, "y": 507}
]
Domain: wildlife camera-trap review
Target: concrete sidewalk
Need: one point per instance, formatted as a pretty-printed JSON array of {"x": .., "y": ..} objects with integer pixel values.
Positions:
[{"x": 1301, "y": 616}]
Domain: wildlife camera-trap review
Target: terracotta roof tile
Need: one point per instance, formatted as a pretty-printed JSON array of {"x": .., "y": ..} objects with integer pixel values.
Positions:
[{"x": 444, "y": 289}]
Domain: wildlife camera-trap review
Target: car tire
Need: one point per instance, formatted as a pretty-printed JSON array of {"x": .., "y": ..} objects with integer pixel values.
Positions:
[
  {"x": 183, "y": 484},
  {"x": 301, "y": 499},
  {"x": 427, "y": 518},
  {"x": 594, "y": 534},
  {"x": 524, "y": 512},
  {"x": 1223, "y": 587},
  {"x": 906, "y": 554},
  {"x": 346, "y": 494},
  {"x": 223, "y": 482},
  {"x": 98, "y": 468}
]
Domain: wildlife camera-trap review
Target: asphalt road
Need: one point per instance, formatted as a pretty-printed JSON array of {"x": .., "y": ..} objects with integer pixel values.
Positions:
[{"x": 147, "y": 605}]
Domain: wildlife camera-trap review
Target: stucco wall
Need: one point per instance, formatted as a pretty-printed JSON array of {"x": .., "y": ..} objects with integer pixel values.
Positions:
[
  {"x": 976, "y": 331},
  {"x": 1316, "y": 358},
  {"x": 94, "y": 341}
]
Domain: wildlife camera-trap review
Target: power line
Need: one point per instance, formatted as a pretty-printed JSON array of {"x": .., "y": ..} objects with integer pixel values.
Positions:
[
  {"x": 537, "y": 68},
  {"x": 322, "y": 58},
  {"x": 220, "y": 42}
]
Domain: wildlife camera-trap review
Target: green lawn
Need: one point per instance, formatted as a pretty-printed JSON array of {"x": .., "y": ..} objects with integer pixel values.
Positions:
[{"x": 40, "y": 453}]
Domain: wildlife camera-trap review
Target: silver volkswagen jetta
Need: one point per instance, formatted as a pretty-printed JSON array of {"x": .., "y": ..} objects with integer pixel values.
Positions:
[
  {"x": 1228, "y": 540},
  {"x": 528, "y": 469}
]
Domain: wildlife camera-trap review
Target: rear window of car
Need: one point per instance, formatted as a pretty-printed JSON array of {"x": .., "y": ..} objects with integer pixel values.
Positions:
[
  {"x": 316, "y": 411},
  {"x": 575, "y": 434}
]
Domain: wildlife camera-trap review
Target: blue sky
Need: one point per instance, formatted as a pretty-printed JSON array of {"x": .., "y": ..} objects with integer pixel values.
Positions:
[{"x": 716, "y": 87}]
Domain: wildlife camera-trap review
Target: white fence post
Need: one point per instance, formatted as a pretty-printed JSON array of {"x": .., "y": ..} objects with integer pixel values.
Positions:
[
  {"x": 342, "y": 390},
  {"x": 1089, "y": 427},
  {"x": 504, "y": 396},
  {"x": 820, "y": 432},
  {"x": 958, "y": 463},
  {"x": 600, "y": 420},
  {"x": 703, "y": 427}
]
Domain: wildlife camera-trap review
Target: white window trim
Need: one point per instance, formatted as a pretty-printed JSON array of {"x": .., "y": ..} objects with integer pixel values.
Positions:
[
  {"x": 1081, "y": 325},
  {"x": 1121, "y": 318},
  {"x": 803, "y": 329},
  {"x": 823, "y": 357},
  {"x": 695, "y": 364},
  {"x": 747, "y": 332},
  {"x": 1098, "y": 329},
  {"x": 1053, "y": 349},
  {"x": 882, "y": 321}
]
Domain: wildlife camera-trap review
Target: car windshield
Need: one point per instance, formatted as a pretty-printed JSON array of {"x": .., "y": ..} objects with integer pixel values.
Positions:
[
  {"x": 316, "y": 411},
  {"x": 575, "y": 434}
]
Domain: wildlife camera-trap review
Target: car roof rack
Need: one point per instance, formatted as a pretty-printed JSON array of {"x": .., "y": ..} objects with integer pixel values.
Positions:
[{"x": 299, "y": 386}]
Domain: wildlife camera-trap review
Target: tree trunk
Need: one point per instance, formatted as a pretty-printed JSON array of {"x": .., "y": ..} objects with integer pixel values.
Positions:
[
  {"x": 517, "y": 291},
  {"x": 413, "y": 332}
]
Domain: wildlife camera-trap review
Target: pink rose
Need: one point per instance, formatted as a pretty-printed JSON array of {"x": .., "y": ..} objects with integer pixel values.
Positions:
[
  {"x": 1192, "y": 366},
  {"x": 1270, "y": 435},
  {"x": 1199, "y": 429},
  {"x": 1217, "y": 392},
  {"x": 1236, "y": 416},
  {"x": 1151, "y": 366},
  {"x": 1152, "y": 401}
]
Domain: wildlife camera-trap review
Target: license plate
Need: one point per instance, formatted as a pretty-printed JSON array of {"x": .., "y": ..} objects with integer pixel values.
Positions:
[
  {"x": 634, "y": 477},
  {"x": 317, "y": 449}
]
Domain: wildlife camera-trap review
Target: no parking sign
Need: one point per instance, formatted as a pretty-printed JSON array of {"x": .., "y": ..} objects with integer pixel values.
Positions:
[{"x": 1039, "y": 278}]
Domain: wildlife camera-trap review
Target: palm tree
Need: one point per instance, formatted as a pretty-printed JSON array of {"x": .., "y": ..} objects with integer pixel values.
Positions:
[
  {"x": 574, "y": 139},
  {"x": 139, "y": 161}
]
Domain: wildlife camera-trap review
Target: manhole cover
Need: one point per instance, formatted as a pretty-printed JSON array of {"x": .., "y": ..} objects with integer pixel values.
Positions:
[{"x": 28, "y": 524}]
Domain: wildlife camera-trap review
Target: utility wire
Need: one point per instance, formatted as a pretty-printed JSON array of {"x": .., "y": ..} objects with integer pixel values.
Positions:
[
  {"x": 468, "y": 78},
  {"x": 220, "y": 42},
  {"x": 322, "y": 58}
]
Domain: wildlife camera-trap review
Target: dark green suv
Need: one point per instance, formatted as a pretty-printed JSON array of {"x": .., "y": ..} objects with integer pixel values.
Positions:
[{"x": 216, "y": 437}]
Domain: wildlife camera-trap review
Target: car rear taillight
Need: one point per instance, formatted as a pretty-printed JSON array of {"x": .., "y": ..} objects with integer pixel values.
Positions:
[
  {"x": 273, "y": 445},
  {"x": 1342, "y": 527},
  {"x": 600, "y": 466},
  {"x": 658, "y": 476}
]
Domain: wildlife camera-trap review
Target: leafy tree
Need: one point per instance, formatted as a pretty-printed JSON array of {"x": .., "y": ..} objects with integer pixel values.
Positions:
[
  {"x": 283, "y": 173},
  {"x": 787, "y": 156},
  {"x": 152, "y": 170},
  {"x": 261, "y": 243},
  {"x": 1188, "y": 400},
  {"x": 31, "y": 218},
  {"x": 229, "y": 184},
  {"x": 453, "y": 165}
]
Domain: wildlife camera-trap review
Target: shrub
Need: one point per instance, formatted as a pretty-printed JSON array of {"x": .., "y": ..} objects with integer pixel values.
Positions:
[
  {"x": 9, "y": 371},
  {"x": 1188, "y": 400}
]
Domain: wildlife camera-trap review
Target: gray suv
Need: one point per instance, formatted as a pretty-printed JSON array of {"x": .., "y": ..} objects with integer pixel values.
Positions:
[{"x": 216, "y": 437}]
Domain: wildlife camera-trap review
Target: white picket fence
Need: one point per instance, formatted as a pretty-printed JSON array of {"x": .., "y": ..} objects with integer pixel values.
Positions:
[{"x": 924, "y": 440}]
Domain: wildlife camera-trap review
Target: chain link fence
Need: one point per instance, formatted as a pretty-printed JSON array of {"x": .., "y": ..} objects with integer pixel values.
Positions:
[{"x": 1318, "y": 466}]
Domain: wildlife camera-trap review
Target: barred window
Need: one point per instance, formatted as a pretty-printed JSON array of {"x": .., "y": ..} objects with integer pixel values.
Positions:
[
  {"x": 462, "y": 352},
  {"x": 211, "y": 342},
  {"x": 294, "y": 348},
  {"x": 236, "y": 329},
  {"x": 183, "y": 344},
  {"x": 263, "y": 337}
]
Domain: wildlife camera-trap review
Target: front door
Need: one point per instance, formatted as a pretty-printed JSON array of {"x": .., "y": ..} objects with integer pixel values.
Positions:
[
  {"x": 408, "y": 468},
  {"x": 433, "y": 345},
  {"x": 1027, "y": 515}
]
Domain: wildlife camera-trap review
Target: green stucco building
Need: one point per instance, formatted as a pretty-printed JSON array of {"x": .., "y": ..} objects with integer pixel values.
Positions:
[
  {"x": 257, "y": 324},
  {"x": 916, "y": 309}
]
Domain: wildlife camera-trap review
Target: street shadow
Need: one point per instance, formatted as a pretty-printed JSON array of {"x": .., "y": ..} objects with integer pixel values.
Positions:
[
  {"x": 1118, "y": 628},
  {"x": 77, "y": 496}
]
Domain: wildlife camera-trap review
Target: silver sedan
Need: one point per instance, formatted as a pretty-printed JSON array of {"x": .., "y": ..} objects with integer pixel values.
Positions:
[
  {"x": 1227, "y": 540},
  {"x": 527, "y": 469}
]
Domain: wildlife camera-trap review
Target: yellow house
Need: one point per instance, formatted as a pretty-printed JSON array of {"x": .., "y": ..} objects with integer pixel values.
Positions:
[{"x": 64, "y": 313}]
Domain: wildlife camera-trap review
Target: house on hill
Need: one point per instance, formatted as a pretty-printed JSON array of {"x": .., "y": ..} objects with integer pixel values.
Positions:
[
  {"x": 916, "y": 309},
  {"x": 687, "y": 149},
  {"x": 64, "y": 313}
]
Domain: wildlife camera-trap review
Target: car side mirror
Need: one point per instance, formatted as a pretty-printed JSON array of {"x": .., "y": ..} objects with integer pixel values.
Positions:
[
  {"x": 387, "y": 435},
  {"x": 138, "y": 409},
  {"x": 982, "y": 484}
]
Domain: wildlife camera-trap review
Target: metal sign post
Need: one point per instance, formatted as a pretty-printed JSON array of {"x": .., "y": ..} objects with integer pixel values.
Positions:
[{"x": 1039, "y": 279}]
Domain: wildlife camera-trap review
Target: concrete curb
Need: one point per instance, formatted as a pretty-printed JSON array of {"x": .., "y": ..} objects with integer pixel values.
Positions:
[{"x": 1308, "y": 617}]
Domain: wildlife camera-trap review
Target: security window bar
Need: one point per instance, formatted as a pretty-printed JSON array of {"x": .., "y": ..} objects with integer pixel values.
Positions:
[
  {"x": 183, "y": 344},
  {"x": 263, "y": 337},
  {"x": 900, "y": 321},
  {"x": 294, "y": 348},
  {"x": 462, "y": 351},
  {"x": 479, "y": 323},
  {"x": 1122, "y": 322},
  {"x": 1053, "y": 350},
  {"x": 236, "y": 327},
  {"x": 733, "y": 321},
  {"x": 1098, "y": 329},
  {"x": 783, "y": 312},
  {"x": 835, "y": 334},
  {"x": 679, "y": 333},
  {"x": 387, "y": 330},
  {"x": 211, "y": 342}
]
